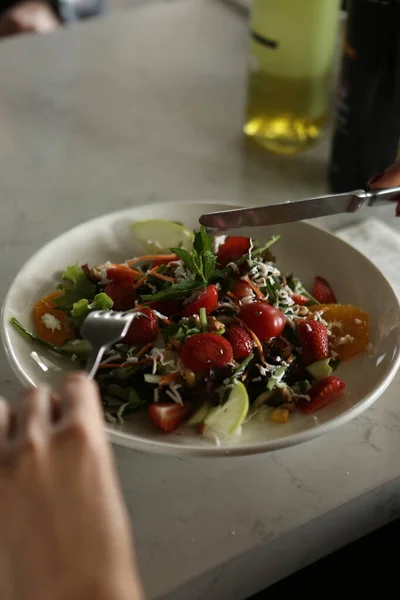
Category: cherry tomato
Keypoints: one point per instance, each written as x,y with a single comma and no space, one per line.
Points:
144,328
232,249
241,289
168,415
299,299
207,299
205,351
265,320
122,293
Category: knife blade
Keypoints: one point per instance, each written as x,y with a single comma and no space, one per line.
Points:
310,208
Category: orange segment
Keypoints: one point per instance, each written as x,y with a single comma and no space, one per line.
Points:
58,330
349,326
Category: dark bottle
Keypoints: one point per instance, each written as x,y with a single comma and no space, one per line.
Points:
367,133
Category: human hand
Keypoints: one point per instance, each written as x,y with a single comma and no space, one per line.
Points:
387,179
33,16
64,530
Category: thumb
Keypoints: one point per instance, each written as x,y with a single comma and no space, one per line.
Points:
387,179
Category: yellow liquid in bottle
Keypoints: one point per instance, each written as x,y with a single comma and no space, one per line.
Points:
291,56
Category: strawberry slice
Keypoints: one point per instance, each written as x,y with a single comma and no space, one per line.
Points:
144,328
168,415
232,249
207,299
313,338
299,299
241,342
205,351
322,393
122,293
322,291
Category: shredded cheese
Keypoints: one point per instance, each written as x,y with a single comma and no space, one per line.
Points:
51,322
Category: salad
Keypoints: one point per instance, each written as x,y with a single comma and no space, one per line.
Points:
220,335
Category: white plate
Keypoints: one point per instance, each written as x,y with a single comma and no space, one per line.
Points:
303,249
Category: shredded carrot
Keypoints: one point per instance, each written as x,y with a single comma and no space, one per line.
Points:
154,273
127,364
116,265
137,273
254,287
167,379
233,297
152,257
254,338
166,320
143,350
140,281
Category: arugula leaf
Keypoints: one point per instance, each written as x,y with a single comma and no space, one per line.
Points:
297,287
174,291
68,350
82,308
126,394
272,289
80,286
271,241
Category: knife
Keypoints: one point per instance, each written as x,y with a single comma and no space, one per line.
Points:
310,208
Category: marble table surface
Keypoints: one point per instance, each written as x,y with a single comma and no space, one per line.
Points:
146,105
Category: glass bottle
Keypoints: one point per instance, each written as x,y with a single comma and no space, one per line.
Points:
292,47
367,132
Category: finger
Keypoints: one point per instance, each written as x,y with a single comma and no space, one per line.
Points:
33,413
56,408
5,413
388,178
80,399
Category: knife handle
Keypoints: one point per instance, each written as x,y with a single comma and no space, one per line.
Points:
379,197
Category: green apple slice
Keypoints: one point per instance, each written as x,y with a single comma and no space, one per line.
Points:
158,235
230,416
199,415
320,368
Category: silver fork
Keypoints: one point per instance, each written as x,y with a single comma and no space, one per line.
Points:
102,329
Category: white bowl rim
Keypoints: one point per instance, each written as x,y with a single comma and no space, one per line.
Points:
121,438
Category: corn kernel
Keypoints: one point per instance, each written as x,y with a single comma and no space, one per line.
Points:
280,415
